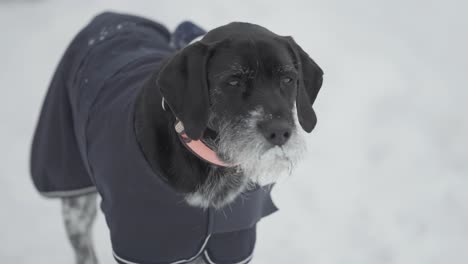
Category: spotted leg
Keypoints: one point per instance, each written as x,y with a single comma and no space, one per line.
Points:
79,213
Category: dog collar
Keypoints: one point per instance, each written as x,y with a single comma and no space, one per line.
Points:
198,148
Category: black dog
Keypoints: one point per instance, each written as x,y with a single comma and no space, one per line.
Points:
128,115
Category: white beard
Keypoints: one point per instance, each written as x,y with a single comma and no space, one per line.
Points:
258,161
263,164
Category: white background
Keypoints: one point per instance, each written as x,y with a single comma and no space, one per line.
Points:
385,179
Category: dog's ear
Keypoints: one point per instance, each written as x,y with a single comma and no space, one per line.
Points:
183,83
309,84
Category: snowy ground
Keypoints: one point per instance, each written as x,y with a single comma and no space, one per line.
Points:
386,177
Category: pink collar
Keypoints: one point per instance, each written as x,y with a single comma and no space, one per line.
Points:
199,148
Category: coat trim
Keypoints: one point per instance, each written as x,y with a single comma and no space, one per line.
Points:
59,194
176,262
245,261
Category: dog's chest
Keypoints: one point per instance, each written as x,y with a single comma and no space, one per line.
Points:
221,188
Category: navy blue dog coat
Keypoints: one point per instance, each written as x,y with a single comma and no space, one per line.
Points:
85,141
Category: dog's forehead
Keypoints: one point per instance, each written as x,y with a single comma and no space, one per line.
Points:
243,55
248,44
251,56
238,30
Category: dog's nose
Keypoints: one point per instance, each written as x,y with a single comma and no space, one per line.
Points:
277,132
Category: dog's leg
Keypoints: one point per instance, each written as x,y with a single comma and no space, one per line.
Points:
79,213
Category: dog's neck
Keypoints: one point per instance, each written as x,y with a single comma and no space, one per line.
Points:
198,147
160,143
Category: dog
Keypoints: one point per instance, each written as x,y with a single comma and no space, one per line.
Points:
183,144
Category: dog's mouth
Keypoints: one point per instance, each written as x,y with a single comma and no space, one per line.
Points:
240,142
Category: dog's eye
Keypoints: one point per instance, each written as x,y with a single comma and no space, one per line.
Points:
286,80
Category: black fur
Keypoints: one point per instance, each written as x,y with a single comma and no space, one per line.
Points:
203,87
309,84
184,86
160,144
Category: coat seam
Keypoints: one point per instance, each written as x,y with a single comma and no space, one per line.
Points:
200,251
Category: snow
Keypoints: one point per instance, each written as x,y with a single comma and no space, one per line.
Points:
385,179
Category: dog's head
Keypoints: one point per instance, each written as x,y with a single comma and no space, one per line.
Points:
250,86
